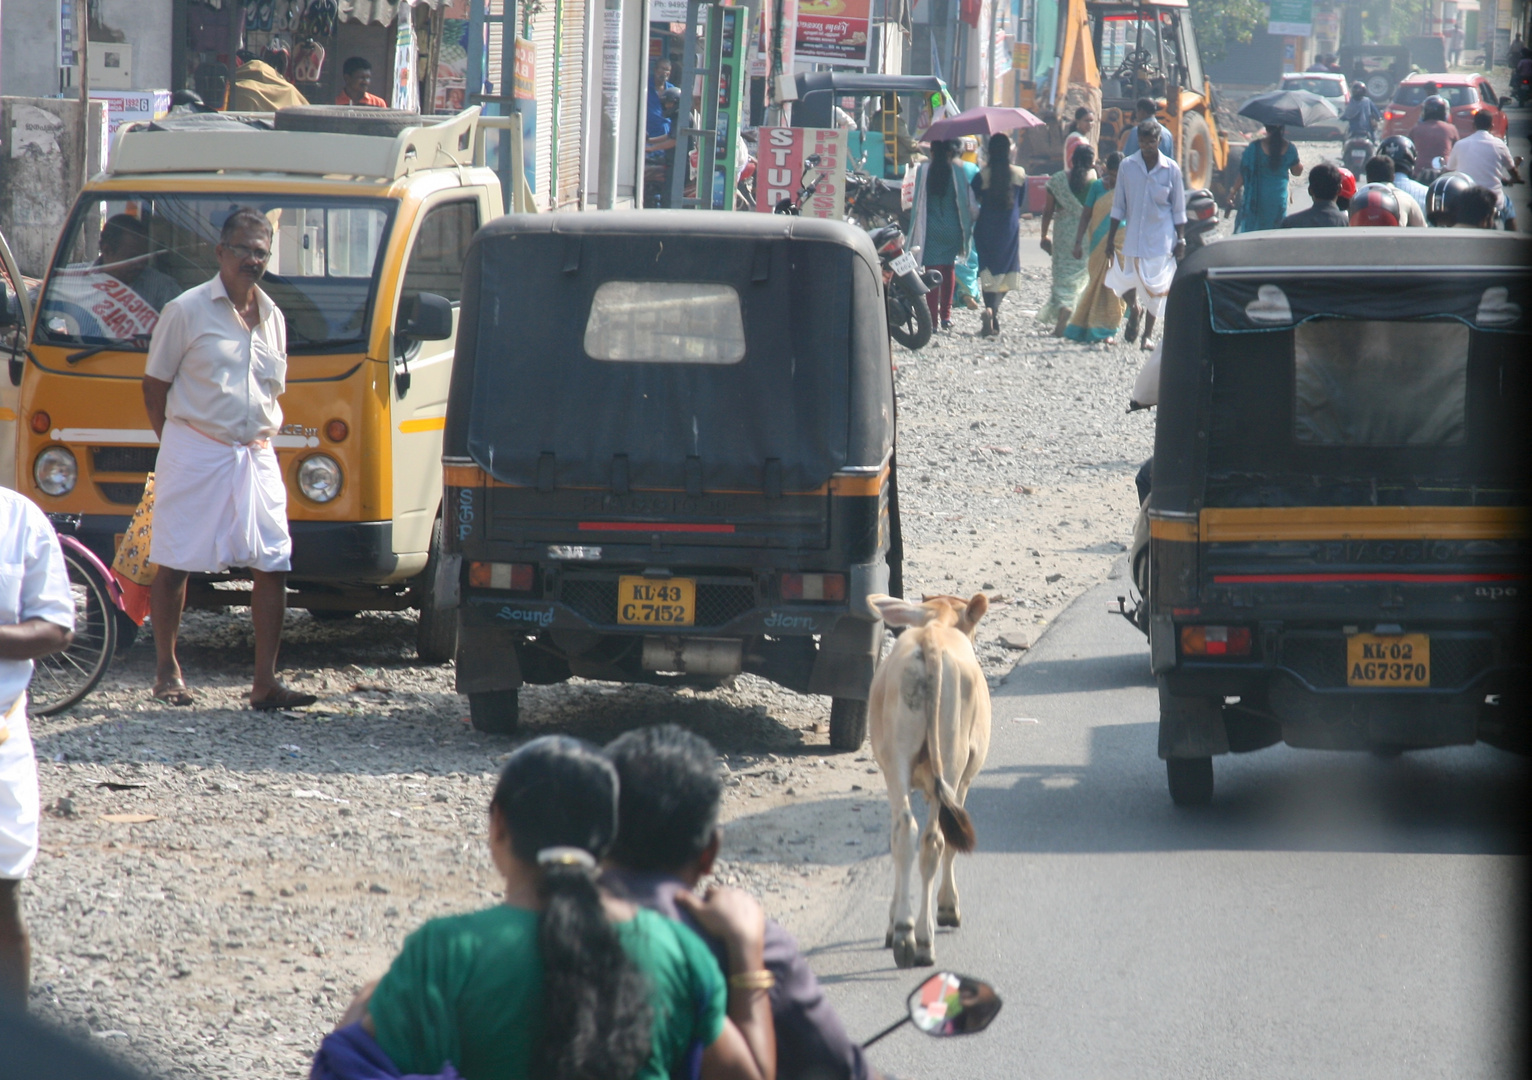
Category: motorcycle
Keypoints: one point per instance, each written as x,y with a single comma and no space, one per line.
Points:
100,616
872,201
1521,90
1355,153
947,1004
1201,218
904,288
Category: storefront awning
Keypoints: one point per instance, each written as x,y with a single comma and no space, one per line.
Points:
377,11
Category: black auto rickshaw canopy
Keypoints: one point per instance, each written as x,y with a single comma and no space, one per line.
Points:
1347,367
817,91
689,350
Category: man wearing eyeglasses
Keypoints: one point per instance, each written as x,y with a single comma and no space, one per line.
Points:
217,364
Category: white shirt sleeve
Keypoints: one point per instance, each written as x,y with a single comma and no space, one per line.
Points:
45,581
1120,194
167,346
1177,195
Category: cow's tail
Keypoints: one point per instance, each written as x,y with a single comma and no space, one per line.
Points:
956,825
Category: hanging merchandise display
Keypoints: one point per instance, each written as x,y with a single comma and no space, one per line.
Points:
727,48
406,90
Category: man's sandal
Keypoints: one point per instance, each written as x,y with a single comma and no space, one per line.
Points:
283,697
173,693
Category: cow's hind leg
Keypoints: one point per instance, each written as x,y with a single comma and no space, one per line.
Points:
902,839
932,849
947,913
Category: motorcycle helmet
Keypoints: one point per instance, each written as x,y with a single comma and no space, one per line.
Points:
1442,196
1401,148
1434,108
1358,90
1375,204
1347,187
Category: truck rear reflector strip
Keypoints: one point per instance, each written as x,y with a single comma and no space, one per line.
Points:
1341,579
652,527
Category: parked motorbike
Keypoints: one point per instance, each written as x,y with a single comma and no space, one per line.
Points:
1201,218
1355,153
947,1004
63,679
904,288
872,201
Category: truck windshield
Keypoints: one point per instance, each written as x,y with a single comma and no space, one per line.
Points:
123,259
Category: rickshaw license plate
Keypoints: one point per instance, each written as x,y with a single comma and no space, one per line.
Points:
1400,660
645,601
904,263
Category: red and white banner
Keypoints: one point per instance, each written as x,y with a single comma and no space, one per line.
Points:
834,31
779,169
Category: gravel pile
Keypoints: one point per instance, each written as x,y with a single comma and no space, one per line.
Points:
216,883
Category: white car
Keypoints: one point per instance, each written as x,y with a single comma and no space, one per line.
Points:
1327,84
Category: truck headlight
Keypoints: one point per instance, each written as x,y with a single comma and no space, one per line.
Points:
319,477
56,471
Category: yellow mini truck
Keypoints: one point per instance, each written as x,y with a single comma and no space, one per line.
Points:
370,228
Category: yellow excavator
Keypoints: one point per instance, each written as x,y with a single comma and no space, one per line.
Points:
1111,54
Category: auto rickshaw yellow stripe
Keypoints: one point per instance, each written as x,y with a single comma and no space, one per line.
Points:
425,423
1247,524
859,485
7,414
872,486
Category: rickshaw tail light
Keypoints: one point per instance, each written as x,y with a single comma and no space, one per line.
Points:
1215,641
813,587
41,422
515,577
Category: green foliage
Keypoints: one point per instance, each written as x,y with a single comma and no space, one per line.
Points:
1219,23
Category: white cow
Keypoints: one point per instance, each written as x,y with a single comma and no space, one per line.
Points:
928,713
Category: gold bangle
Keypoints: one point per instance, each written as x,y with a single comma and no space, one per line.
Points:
752,980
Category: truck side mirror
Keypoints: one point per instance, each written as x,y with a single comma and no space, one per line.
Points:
431,319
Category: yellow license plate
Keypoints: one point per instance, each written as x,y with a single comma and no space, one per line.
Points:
656,601
1400,660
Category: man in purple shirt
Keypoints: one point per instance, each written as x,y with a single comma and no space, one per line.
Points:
667,840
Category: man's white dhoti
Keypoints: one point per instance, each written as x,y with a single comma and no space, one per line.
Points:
19,809
217,506
1150,277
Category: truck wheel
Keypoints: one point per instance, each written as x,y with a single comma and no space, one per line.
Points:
497,712
1196,151
1191,780
436,631
848,723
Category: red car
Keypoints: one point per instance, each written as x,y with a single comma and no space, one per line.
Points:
1465,95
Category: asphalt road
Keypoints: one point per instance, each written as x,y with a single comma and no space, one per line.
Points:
1329,915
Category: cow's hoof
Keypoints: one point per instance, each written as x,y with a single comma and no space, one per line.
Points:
905,952
925,955
948,917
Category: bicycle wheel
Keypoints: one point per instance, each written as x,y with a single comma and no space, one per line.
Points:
62,679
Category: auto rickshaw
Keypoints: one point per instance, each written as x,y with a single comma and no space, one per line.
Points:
1337,530
669,457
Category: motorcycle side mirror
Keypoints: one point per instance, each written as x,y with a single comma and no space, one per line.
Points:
949,1004
812,161
1438,163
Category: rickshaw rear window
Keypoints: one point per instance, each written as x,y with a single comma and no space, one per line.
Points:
1364,383
665,322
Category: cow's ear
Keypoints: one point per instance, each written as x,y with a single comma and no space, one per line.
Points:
978,604
896,612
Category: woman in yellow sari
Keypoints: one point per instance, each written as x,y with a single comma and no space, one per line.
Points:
1098,312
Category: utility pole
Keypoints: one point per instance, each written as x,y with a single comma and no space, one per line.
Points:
82,67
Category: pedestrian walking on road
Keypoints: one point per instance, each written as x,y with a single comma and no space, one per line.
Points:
1000,189
1455,49
668,839
36,619
562,979
1078,134
1261,188
1066,192
1098,311
217,364
1149,202
941,222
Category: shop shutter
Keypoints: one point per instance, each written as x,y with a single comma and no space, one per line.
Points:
571,104
543,39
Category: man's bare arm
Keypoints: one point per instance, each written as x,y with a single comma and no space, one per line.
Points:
33,638
155,393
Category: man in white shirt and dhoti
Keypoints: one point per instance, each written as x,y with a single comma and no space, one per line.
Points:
1151,198
217,364
36,619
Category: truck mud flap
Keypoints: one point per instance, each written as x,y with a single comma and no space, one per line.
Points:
1191,727
848,654
487,659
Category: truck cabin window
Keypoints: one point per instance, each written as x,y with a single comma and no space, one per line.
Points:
123,260
1360,383
665,322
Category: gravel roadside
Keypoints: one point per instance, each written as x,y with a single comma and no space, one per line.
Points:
214,884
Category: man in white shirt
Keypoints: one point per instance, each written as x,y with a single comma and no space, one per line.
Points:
217,364
1486,159
36,619
1151,197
